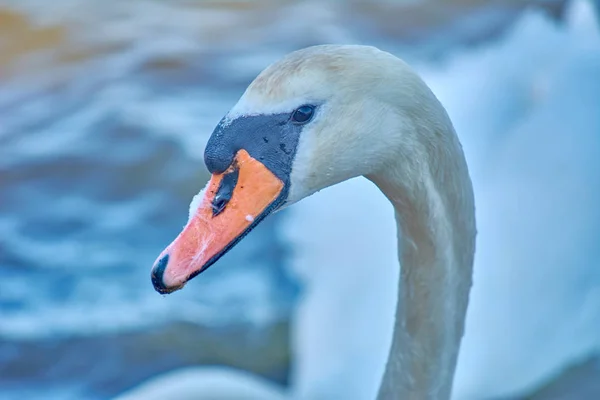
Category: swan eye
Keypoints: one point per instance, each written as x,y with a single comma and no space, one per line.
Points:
303,114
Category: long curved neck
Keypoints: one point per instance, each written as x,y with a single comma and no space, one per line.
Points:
436,242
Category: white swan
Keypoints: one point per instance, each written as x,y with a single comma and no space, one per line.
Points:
478,377
318,117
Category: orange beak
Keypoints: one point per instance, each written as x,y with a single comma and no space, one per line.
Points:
232,204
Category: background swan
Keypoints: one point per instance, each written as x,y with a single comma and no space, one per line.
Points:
206,383
315,374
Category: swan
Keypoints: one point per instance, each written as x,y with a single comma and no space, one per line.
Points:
477,374
318,117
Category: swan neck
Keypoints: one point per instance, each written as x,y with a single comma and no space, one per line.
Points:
436,243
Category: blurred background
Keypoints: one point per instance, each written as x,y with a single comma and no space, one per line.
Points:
105,108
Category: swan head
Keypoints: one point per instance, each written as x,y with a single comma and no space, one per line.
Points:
315,118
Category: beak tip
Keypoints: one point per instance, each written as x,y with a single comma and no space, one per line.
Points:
158,272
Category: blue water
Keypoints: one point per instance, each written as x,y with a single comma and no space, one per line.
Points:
101,138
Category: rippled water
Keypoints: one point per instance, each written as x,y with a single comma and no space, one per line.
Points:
104,110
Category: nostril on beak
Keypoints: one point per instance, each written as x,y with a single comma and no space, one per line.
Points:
157,275
225,190
219,204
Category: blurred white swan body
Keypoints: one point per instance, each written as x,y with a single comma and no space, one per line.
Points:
206,383
553,299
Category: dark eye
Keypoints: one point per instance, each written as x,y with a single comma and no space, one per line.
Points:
303,114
